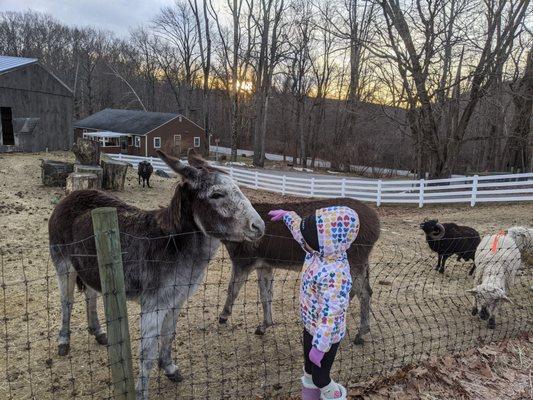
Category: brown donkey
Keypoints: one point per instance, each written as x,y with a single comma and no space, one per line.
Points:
277,249
165,253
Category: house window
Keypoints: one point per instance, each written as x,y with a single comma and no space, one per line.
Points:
137,141
157,143
177,140
197,141
8,136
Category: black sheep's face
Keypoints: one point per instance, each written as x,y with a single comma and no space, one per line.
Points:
430,226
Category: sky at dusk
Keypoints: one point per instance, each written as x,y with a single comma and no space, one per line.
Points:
118,16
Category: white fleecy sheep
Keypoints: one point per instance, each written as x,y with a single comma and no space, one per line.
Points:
498,258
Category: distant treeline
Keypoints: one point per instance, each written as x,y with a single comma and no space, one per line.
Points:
298,79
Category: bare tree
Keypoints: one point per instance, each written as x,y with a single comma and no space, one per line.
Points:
204,33
268,22
178,25
439,124
520,143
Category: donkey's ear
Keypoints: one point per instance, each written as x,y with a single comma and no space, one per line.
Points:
195,159
188,173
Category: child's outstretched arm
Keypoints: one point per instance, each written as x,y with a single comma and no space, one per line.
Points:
292,220
334,292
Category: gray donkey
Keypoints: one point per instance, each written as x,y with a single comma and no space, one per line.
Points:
165,253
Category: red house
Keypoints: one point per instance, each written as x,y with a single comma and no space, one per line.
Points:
141,133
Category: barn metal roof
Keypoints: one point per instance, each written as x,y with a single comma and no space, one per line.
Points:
127,121
8,63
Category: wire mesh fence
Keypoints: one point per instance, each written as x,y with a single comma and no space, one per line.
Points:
416,313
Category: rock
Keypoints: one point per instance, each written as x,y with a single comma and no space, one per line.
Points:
162,173
54,173
87,151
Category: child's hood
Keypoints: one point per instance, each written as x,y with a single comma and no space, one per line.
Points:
337,228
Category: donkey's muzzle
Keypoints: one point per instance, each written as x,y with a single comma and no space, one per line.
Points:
257,229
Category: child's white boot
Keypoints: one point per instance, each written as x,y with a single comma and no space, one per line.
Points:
309,390
333,391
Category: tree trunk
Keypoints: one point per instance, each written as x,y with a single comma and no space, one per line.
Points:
54,173
302,133
91,169
114,174
81,181
87,151
520,142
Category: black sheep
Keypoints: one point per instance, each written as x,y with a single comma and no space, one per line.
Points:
144,170
449,238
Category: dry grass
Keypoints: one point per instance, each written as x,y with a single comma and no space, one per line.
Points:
417,313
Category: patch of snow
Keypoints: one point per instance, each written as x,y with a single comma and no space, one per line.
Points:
302,169
236,163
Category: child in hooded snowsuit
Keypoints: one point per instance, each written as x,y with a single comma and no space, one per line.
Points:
324,291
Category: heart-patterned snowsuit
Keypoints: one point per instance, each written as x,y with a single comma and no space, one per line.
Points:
326,281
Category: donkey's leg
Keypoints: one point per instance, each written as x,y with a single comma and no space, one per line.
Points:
66,277
151,323
239,275
92,316
364,292
168,333
265,279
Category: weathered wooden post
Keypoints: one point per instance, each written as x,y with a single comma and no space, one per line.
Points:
107,237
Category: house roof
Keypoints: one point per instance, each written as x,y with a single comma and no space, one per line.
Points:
127,121
105,134
8,63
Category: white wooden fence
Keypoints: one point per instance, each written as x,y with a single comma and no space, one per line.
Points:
471,189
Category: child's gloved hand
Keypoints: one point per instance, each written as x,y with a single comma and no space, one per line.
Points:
276,215
316,356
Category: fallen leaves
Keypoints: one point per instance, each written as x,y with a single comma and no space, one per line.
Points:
495,371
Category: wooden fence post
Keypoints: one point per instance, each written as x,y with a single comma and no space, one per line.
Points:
343,187
256,182
421,194
312,186
474,191
283,185
378,196
107,237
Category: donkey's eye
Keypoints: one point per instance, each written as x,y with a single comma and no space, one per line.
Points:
216,195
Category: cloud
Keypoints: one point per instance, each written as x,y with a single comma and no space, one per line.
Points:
118,16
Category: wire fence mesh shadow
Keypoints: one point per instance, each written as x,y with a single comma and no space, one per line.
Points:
416,313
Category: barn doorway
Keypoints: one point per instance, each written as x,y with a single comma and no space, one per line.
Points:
8,137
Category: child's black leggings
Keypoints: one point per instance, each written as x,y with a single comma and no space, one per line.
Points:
320,374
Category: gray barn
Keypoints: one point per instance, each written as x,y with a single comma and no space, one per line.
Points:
35,107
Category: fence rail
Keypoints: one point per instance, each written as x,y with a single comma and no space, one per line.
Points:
469,189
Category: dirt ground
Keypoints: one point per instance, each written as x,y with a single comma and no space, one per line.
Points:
417,314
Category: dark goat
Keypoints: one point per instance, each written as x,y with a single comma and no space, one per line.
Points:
144,170
449,238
